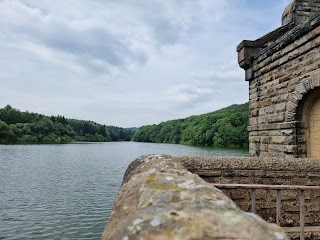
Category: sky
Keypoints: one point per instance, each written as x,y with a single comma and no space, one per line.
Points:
127,63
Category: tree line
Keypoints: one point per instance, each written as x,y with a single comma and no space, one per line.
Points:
25,127
225,127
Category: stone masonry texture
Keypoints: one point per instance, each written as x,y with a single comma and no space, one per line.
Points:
270,171
283,71
160,199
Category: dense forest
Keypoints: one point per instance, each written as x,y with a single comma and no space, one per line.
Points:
225,127
26,127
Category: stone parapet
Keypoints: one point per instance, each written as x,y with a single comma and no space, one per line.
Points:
270,171
161,199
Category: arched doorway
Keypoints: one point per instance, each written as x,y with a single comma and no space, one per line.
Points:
314,130
308,125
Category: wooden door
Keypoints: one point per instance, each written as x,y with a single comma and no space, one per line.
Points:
314,130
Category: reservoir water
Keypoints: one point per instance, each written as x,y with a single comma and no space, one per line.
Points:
67,191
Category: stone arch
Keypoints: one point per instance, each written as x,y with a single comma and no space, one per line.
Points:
302,102
303,114
307,84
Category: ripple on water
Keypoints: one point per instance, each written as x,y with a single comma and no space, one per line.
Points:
67,191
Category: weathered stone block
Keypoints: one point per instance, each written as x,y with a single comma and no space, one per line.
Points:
313,207
284,140
245,206
265,205
274,118
281,107
291,207
239,194
254,113
291,107
292,149
290,195
291,219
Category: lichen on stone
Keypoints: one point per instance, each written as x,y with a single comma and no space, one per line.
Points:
166,201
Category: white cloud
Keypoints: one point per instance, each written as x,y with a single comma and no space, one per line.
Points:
127,63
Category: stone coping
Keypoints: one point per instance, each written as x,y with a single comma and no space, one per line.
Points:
262,48
194,164
289,37
161,199
275,34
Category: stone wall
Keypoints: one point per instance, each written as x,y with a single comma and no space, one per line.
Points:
274,171
161,199
283,70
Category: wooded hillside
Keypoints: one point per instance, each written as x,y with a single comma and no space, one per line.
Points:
225,127
26,127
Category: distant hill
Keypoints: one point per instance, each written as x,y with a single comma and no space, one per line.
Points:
132,129
224,127
26,127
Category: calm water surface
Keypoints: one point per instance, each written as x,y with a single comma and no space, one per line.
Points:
67,191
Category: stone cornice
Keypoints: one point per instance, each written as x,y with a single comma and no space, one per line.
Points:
289,37
273,41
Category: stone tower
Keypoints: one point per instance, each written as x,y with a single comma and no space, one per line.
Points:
283,70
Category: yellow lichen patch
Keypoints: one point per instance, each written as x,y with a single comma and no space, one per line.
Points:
269,78
263,104
279,229
170,235
207,190
165,235
163,186
196,224
152,178
265,69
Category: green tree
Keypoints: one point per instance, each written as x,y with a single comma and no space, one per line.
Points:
25,127
225,127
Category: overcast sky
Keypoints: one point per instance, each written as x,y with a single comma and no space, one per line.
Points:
127,62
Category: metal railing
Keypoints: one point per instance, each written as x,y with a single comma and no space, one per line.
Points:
278,188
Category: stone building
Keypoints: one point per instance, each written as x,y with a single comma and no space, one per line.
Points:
283,71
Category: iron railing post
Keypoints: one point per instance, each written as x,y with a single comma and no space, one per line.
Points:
278,188
253,200
278,215
302,213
